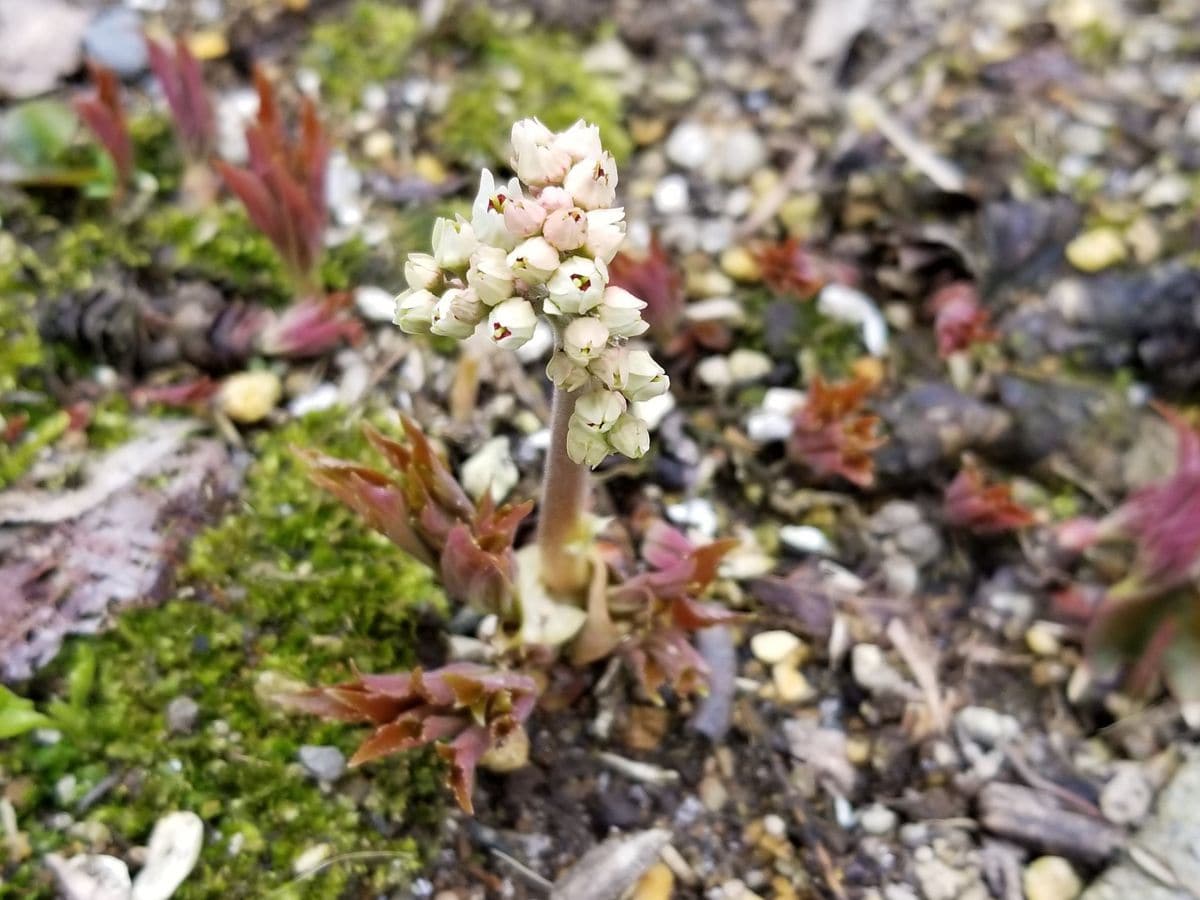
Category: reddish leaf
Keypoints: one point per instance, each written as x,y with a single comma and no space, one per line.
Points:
959,318
653,277
983,508
788,269
833,435
182,85
104,114
311,327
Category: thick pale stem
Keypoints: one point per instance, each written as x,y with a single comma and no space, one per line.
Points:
564,501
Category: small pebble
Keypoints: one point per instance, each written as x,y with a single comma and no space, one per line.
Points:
1042,639
1128,795
746,366
182,713
715,372
375,303
1051,878
671,195
249,397
773,647
657,884
987,726
740,265
322,762
806,539
689,145
790,684
1095,250
492,468
877,819
311,857
171,854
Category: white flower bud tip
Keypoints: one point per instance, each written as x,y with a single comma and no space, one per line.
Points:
630,436
457,313
421,272
577,286
533,260
453,243
511,323
585,446
566,228
414,311
621,313
600,410
489,274
584,340
592,183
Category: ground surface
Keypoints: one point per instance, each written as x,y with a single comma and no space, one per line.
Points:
917,723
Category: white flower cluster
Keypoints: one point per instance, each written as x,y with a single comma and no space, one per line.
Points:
541,244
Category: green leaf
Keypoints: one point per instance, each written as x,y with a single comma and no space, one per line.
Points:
82,677
17,715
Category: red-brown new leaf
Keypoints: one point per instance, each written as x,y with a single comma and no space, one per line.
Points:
104,115
960,320
182,84
971,503
832,434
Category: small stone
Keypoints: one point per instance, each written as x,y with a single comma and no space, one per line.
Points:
671,196
877,819
88,877
39,43
716,309
513,754
208,44
182,713
855,308
741,154
1042,639
114,38
901,575
323,396
747,366
740,265
714,371
773,647
171,855
375,303
248,397
689,145
657,884
378,145
712,793
987,726
921,543
872,671
1051,878
764,426
806,539
1095,250
1127,797
323,762
790,684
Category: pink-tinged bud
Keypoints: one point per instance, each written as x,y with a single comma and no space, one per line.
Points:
606,232
511,323
620,312
457,313
564,373
566,229
630,436
414,311
490,275
640,377
592,183
580,141
453,243
599,410
553,198
533,260
585,446
523,217
487,213
576,287
584,339
535,160
421,272
1078,534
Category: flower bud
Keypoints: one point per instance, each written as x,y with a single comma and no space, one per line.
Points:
414,311
523,217
457,313
577,286
533,260
553,198
599,410
421,272
487,213
511,323
535,160
640,377
490,275
580,141
584,339
630,436
566,229
565,373
605,232
606,368
453,243
585,446
620,312
592,182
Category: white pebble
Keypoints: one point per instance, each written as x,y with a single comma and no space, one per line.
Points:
772,647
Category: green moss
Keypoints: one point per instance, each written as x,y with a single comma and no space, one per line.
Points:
290,583
367,45
20,347
524,73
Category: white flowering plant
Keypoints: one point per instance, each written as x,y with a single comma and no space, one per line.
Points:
535,247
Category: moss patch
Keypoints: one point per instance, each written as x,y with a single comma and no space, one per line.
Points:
519,73
289,584
367,45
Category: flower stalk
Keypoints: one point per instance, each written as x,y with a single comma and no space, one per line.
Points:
565,495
